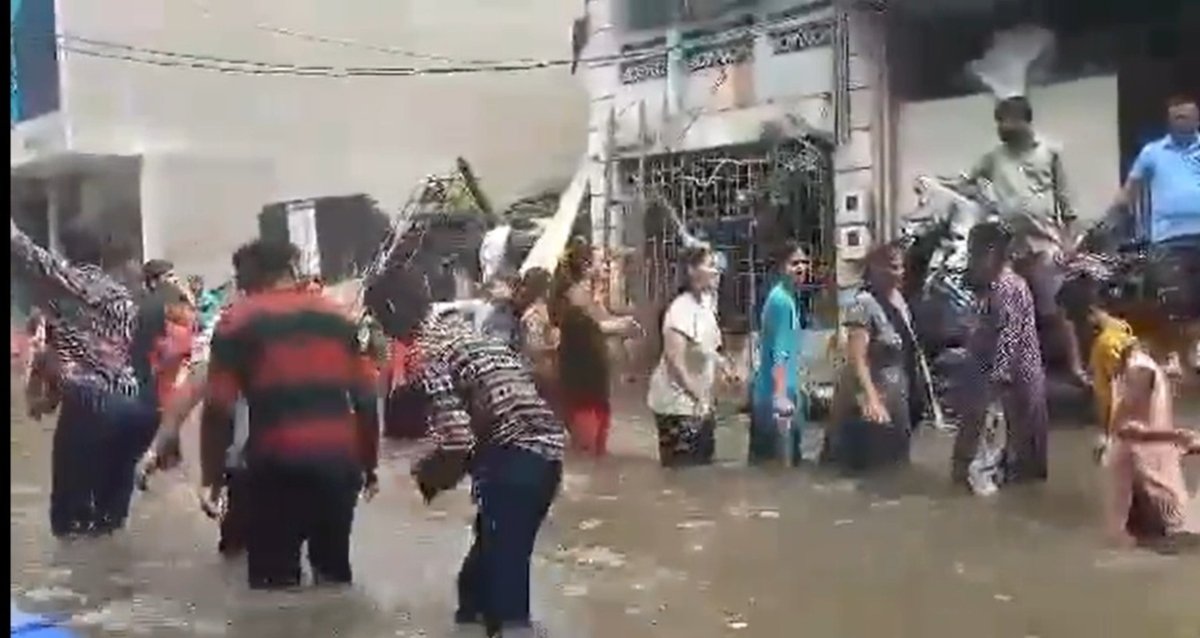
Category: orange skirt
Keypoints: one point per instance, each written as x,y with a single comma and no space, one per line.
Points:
588,423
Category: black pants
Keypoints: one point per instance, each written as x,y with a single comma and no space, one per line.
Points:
404,413
74,467
1174,268
235,524
685,440
514,489
292,507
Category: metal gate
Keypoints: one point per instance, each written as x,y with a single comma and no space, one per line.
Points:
744,200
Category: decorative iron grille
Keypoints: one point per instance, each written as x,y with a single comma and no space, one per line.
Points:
744,201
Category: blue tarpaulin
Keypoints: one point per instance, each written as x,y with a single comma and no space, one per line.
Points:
35,625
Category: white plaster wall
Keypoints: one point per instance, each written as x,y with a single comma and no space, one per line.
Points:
945,137
196,210
732,112
334,136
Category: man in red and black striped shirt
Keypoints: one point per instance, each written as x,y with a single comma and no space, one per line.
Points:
314,435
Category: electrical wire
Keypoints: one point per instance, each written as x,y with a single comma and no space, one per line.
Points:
349,43
103,49
159,57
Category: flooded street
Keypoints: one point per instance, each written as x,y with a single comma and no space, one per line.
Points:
633,551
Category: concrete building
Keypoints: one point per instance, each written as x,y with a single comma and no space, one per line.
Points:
882,88
747,121
130,122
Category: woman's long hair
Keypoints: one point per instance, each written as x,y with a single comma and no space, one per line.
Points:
533,287
573,268
880,256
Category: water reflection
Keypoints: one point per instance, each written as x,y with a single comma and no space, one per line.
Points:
634,551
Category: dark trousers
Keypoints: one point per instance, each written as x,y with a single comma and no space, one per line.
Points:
514,489
98,440
293,507
129,429
235,524
1174,266
685,440
74,467
404,412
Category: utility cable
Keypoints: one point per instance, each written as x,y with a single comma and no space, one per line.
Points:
207,10
147,55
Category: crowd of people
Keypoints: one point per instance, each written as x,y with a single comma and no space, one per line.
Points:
296,389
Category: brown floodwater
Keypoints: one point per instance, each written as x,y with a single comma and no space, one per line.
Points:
635,551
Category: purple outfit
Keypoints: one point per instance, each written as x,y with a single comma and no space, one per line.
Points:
1007,367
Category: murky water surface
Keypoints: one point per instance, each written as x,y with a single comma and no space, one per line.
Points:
634,551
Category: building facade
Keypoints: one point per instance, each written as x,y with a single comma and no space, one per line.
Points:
740,121
687,97
181,120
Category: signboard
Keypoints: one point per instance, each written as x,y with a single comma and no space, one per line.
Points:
33,60
302,232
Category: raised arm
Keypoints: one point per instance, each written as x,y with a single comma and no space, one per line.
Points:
51,277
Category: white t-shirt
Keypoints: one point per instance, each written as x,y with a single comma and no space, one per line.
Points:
696,321
493,250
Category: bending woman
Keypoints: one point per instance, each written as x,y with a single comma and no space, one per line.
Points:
1141,451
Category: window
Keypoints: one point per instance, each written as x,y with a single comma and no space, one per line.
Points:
658,14
651,14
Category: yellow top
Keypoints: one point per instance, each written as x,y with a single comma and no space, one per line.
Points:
1114,337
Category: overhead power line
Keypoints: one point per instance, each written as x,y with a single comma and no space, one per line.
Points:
349,43
159,57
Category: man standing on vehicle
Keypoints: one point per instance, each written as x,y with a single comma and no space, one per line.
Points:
1032,199
1169,169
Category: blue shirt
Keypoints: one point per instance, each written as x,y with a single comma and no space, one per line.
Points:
779,343
1171,169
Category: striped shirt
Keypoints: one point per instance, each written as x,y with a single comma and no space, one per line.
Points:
481,393
92,315
294,357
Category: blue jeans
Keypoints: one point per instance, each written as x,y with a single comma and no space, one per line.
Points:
514,489
74,464
129,427
97,442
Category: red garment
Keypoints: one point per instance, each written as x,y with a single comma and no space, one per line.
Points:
296,381
588,424
172,353
404,414
398,367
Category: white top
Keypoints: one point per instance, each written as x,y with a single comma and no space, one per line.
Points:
493,250
235,456
696,321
